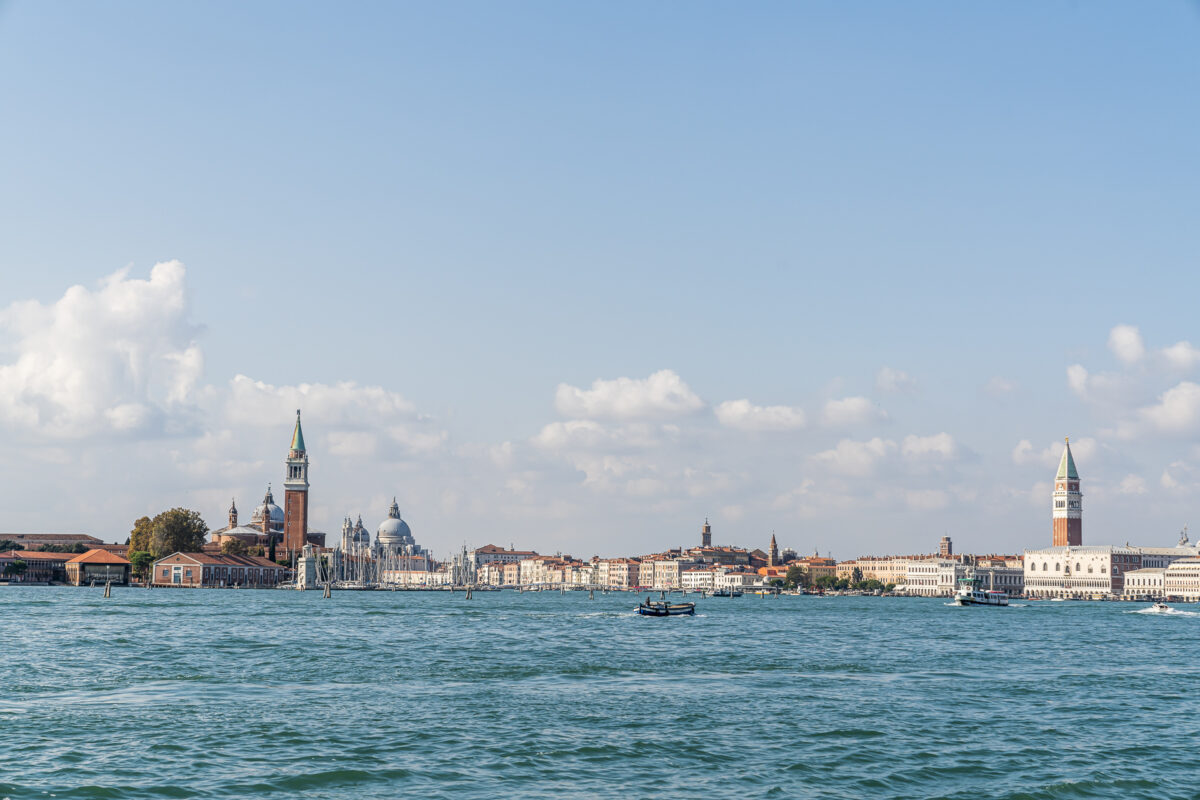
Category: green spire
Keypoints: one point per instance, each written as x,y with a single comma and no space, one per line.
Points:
298,436
1066,467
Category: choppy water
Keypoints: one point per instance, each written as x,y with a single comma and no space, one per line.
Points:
382,695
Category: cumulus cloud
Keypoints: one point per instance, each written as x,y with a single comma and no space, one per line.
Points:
1132,484
940,446
662,394
586,434
1125,342
1084,449
1077,379
851,411
1177,410
1181,356
743,415
116,359
343,404
894,380
855,458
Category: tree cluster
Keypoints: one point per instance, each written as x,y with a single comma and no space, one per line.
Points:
174,531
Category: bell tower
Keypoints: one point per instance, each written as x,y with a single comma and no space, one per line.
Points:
1068,502
706,534
295,494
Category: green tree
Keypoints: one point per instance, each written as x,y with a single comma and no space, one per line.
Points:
140,536
8,544
142,561
826,582
16,567
870,585
234,547
179,530
796,576
856,575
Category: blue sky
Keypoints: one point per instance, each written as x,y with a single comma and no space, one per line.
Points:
459,207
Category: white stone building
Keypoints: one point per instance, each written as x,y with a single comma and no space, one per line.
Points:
933,577
1181,579
1146,582
1079,572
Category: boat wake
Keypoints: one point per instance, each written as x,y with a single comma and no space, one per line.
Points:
1170,612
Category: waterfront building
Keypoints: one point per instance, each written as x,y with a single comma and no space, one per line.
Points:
885,569
1067,503
1002,573
616,573
720,555
490,573
39,567
512,574
1181,579
1148,583
97,565
737,579
205,570
490,553
666,574
645,577
1084,571
698,579
933,577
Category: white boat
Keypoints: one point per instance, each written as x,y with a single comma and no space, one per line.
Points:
1162,608
970,594
1057,600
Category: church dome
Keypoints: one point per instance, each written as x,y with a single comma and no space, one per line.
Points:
268,508
393,531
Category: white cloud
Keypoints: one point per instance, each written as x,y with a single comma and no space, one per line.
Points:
926,499
662,394
851,411
999,387
1177,410
586,434
894,380
856,458
939,446
1083,449
1125,342
344,404
116,359
1132,484
1182,355
1077,379
743,415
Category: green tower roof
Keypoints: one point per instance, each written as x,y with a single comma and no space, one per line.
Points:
1066,467
298,436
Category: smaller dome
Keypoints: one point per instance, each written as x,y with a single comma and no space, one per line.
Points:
268,507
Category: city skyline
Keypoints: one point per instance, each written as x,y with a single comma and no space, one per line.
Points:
694,288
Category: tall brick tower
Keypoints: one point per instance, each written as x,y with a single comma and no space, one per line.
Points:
1068,502
295,494
773,554
706,534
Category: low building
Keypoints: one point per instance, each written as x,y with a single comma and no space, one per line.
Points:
32,541
214,571
1145,583
933,577
737,580
1181,579
98,565
39,567
698,580
491,554
490,573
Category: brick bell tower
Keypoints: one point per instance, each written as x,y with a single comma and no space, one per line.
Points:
295,494
1068,502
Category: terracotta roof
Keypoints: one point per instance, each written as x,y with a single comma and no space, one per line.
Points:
36,555
226,561
98,557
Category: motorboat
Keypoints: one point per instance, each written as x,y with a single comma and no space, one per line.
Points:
1161,607
658,608
727,593
970,594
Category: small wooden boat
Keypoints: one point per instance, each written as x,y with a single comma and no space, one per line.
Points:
652,608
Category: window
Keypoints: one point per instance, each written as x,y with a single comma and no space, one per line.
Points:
1089,569
1057,567
1078,567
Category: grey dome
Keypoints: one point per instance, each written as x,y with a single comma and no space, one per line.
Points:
268,507
393,531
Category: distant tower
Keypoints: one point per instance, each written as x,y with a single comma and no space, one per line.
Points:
773,554
233,513
1068,502
945,547
295,494
706,534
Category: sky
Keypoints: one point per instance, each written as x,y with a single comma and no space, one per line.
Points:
575,276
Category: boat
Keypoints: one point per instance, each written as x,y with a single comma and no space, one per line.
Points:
1161,607
727,593
1057,600
656,608
971,594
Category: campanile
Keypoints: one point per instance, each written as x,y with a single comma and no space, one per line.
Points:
295,494
1068,502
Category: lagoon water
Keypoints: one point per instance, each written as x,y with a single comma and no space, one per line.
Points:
241,694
